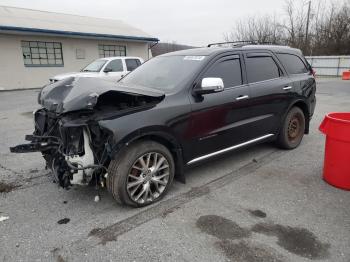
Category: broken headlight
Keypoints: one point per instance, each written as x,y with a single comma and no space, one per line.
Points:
73,141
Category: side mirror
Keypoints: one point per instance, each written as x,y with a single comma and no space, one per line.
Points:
107,70
210,85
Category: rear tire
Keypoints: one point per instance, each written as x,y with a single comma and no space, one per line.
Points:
292,130
142,174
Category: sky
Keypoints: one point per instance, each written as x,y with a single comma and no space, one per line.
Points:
195,22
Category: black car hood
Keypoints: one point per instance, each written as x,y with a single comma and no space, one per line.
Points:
80,93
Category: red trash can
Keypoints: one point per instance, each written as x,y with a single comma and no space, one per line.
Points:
336,169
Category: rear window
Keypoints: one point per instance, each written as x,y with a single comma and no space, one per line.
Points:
260,68
293,64
132,64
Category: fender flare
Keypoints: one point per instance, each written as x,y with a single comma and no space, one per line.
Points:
161,135
303,106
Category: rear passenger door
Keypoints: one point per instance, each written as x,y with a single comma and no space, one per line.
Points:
271,91
132,64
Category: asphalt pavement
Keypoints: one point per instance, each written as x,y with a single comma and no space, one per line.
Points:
256,204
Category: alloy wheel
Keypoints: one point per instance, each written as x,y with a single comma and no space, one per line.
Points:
148,177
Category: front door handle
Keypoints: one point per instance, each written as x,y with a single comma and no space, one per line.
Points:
242,97
287,88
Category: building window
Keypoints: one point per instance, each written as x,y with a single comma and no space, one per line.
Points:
37,53
80,53
111,50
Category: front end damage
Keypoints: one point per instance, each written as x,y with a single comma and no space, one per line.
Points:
77,149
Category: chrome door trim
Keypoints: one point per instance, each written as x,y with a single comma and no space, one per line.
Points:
242,97
229,149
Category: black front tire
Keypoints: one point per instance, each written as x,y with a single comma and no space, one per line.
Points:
292,129
120,169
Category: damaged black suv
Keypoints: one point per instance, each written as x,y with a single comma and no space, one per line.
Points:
173,111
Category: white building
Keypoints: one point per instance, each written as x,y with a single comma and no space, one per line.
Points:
35,45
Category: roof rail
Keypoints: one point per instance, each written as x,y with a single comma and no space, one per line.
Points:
242,43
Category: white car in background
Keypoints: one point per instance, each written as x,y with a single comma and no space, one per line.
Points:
109,68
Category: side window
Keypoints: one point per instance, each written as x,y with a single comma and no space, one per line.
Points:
260,68
293,64
132,64
116,65
229,70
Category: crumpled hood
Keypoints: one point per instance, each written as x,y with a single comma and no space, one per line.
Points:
80,93
75,74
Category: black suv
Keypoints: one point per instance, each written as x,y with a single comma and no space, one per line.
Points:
173,111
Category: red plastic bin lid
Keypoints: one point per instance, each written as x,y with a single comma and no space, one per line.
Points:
336,126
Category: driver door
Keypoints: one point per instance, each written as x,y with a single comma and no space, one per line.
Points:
219,120
114,70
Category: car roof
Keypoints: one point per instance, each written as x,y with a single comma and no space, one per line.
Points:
119,57
209,51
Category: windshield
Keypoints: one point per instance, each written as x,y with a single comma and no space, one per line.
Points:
95,66
164,72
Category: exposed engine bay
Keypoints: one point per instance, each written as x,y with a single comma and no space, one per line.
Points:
67,130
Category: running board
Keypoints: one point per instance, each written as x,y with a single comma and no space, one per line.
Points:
229,149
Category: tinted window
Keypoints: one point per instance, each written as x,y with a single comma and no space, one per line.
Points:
292,63
116,65
132,64
261,68
228,70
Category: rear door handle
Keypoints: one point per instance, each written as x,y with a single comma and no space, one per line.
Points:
242,97
287,88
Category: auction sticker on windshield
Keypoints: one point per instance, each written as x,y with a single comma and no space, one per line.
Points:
195,58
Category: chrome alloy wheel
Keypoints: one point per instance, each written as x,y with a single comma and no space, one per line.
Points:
148,177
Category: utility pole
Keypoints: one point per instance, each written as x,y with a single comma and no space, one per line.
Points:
307,25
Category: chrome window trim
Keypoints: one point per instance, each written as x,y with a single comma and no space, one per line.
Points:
235,87
267,80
